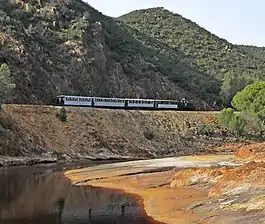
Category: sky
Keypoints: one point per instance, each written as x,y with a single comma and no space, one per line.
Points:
238,21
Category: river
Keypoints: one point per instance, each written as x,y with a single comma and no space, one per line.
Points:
41,194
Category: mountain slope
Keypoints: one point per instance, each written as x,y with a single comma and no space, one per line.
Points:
208,53
68,47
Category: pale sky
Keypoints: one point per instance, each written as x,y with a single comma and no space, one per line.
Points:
238,21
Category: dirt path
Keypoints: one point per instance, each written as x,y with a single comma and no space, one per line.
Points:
151,180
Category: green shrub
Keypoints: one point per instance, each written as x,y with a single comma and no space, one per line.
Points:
224,117
63,114
148,135
237,124
234,123
206,129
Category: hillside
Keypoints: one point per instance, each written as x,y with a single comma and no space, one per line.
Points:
68,47
230,67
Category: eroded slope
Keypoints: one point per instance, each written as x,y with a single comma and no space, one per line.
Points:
100,133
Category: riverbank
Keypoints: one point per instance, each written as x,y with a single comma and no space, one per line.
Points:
151,179
235,193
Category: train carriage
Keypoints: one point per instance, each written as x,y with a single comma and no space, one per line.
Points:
109,102
140,103
74,100
167,104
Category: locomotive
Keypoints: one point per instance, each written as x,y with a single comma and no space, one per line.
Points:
123,103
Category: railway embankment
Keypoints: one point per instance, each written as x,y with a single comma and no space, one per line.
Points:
35,134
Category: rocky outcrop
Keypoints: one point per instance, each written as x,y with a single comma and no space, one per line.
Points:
235,190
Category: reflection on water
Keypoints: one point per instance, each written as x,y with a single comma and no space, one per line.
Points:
29,195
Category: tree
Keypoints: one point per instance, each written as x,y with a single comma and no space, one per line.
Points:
234,123
6,84
231,85
225,116
237,124
251,100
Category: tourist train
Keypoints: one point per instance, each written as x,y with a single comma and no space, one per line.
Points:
122,103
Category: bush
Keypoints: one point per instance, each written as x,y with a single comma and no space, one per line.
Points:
224,117
206,129
234,123
148,135
63,114
237,124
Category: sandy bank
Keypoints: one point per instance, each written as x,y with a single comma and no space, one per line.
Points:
151,180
